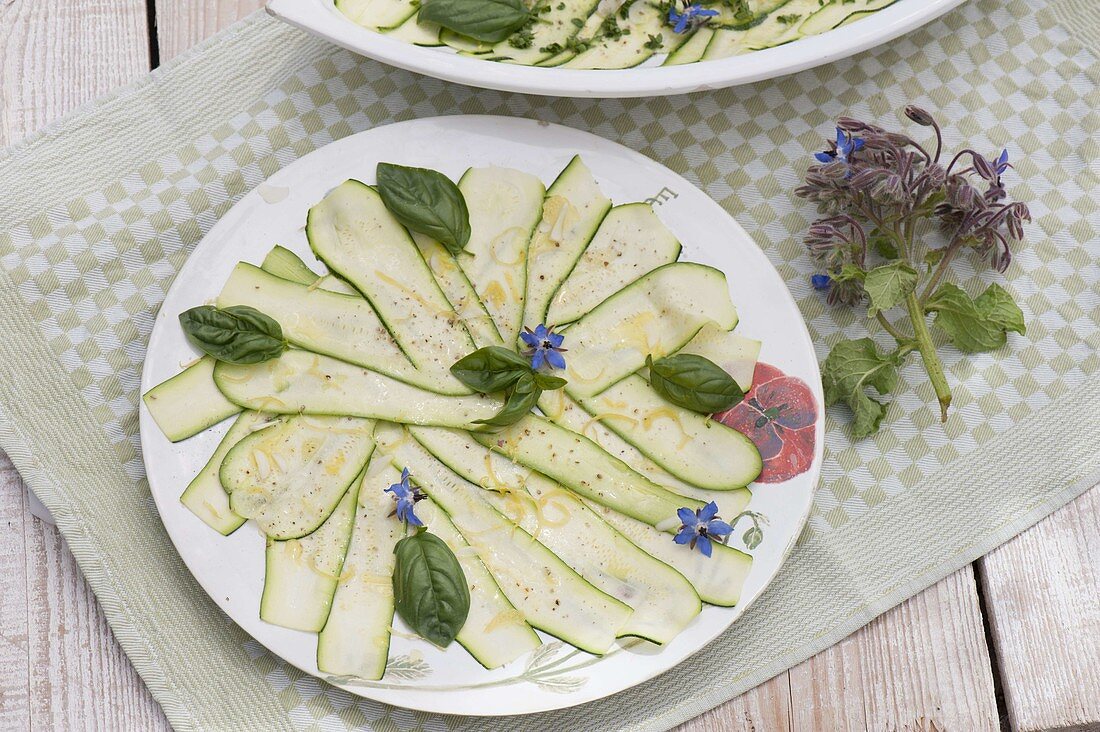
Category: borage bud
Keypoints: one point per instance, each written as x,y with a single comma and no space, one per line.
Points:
918,115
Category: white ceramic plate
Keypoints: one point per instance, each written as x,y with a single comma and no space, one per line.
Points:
321,18
231,569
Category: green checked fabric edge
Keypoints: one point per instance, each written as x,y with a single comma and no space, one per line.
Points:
98,213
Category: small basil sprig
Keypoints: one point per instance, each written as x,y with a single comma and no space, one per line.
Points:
237,334
429,588
495,368
490,21
693,382
426,201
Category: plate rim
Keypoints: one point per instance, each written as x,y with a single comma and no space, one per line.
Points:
317,18
148,428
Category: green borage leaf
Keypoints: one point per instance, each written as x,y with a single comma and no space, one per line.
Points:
237,334
426,201
977,325
887,286
490,21
851,367
430,592
694,382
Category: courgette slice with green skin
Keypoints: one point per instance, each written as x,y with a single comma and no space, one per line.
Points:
837,13
300,382
287,265
494,633
571,214
354,643
353,233
728,16
654,315
692,49
551,596
342,326
188,403
554,28
301,575
566,412
663,601
417,33
718,578
691,446
464,44
631,242
583,467
505,206
735,354
204,495
291,476
377,14
284,263
645,33
459,291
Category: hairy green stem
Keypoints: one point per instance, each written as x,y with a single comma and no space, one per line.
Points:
940,271
932,363
889,328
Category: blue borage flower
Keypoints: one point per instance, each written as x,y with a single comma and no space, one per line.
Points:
821,281
701,527
845,145
544,346
406,497
693,16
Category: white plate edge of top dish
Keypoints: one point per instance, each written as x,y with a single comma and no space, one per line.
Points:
321,18
266,216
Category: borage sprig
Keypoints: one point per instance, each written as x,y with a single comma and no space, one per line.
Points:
881,195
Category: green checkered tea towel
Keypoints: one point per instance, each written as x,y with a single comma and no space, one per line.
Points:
99,212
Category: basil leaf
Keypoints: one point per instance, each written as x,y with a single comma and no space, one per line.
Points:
694,383
426,201
521,400
429,588
237,334
485,20
490,369
549,383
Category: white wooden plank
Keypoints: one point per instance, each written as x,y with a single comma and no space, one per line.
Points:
183,23
15,679
766,708
923,665
1042,593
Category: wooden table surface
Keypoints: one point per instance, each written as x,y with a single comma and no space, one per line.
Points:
1012,641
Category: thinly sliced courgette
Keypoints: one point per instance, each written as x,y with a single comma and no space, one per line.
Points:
456,286
550,595
571,214
734,353
733,15
780,27
724,43
663,601
558,22
505,206
654,315
494,633
188,403
565,411
377,14
417,33
691,446
631,242
692,49
354,644
342,326
301,575
290,477
204,496
718,578
308,383
356,236
464,44
287,265
583,467
838,13
642,33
